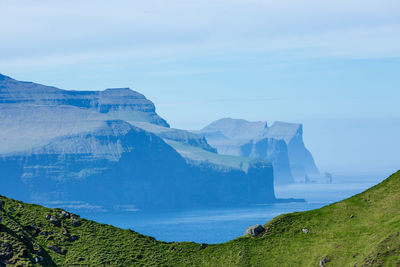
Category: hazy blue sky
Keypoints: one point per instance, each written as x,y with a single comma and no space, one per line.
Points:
333,65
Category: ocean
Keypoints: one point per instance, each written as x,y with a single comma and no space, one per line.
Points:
223,224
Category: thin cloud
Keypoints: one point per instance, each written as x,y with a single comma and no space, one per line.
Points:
49,33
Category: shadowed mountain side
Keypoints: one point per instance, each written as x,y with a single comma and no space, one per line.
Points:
273,150
118,164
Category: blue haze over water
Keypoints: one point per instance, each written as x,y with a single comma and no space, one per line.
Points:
218,225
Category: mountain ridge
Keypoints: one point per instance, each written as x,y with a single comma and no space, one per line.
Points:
114,102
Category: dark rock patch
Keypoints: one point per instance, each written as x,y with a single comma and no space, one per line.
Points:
55,221
323,261
57,249
46,233
76,223
254,230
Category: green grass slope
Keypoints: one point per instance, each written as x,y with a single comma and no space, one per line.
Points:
363,230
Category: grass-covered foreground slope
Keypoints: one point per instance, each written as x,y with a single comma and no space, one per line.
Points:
363,230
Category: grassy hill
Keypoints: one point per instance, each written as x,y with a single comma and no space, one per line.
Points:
363,230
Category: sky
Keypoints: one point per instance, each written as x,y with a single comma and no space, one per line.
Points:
332,65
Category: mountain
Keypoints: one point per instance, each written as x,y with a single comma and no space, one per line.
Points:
108,149
282,144
363,230
117,103
301,161
236,129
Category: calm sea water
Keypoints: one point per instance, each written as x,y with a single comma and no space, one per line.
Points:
224,224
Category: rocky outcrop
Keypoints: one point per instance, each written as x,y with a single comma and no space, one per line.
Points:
323,262
254,230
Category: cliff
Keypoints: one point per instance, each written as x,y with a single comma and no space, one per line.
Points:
301,161
93,150
117,103
281,144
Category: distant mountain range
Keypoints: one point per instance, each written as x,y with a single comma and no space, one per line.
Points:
281,144
110,150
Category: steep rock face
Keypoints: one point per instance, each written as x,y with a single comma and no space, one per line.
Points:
274,151
239,137
301,161
71,152
118,103
282,144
